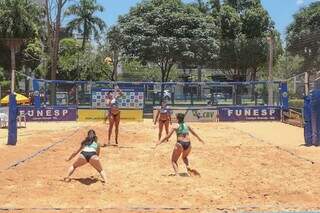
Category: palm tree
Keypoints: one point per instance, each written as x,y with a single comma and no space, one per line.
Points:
85,21
17,23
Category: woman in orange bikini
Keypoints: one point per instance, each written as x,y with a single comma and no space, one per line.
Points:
164,116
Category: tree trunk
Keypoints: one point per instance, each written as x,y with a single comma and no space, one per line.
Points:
84,39
199,73
163,77
83,43
115,66
238,88
50,37
27,81
55,57
168,73
199,80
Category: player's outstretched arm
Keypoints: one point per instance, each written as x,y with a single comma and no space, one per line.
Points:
75,153
195,134
167,137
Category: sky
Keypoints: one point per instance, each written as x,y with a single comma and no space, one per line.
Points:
281,11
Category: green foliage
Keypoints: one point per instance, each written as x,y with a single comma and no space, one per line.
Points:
202,5
19,19
5,85
133,70
18,22
76,64
230,22
34,56
296,103
288,66
2,75
34,49
168,32
303,37
158,35
245,26
115,39
241,5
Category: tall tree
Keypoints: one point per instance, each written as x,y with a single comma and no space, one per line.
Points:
85,21
54,10
18,22
303,37
113,50
167,32
230,24
245,27
257,27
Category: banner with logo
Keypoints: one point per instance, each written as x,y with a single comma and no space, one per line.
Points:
262,113
133,97
193,114
48,113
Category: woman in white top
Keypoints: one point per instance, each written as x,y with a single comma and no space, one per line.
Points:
90,151
113,101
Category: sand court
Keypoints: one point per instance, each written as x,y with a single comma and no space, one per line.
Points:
253,166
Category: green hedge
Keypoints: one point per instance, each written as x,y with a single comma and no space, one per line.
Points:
296,103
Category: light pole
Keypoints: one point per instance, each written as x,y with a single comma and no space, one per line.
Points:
270,74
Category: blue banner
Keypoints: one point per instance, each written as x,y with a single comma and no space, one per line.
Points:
284,99
133,97
48,113
243,113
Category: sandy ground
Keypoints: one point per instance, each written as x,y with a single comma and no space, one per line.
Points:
259,166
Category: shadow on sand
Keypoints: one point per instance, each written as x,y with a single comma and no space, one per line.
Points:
87,181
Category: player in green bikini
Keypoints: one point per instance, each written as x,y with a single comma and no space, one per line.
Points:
183,145
90,151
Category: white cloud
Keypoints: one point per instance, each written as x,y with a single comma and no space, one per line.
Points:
300,2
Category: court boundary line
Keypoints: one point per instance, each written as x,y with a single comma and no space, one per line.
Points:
47,131
43,150
277,147
243,208
104,209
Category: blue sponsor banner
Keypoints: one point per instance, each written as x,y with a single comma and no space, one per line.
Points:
263,113
56,113
132,98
